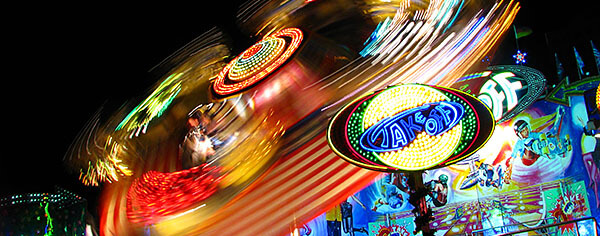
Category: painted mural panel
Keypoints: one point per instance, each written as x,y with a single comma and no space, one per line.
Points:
540,167
381,208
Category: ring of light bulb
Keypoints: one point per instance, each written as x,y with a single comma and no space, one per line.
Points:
258,61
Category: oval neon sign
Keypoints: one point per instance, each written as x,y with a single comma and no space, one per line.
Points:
410,127
395,132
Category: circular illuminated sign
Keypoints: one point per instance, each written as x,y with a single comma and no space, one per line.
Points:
410,127
257,62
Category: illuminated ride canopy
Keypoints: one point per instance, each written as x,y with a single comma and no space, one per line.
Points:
257,62
410,127
506,89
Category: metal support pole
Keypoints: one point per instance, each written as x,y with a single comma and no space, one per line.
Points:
423,215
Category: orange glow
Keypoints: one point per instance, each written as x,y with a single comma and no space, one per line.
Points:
223,88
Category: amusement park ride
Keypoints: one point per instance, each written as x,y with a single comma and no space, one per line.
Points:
339,115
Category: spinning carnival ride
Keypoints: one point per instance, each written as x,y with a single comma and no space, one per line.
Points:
236,143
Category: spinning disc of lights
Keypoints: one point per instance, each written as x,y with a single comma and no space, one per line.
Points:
156,195
258,61
256,58
410,127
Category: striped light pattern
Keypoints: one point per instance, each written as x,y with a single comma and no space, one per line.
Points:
304,184
257,62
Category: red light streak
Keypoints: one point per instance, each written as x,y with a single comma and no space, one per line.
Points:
156,195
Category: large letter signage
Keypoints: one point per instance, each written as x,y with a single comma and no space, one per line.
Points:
397,131
506,90
410,127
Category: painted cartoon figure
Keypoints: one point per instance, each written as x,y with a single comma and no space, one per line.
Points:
348,220
438,190
392,195
553,146
485,174
526,147
533,144
340,218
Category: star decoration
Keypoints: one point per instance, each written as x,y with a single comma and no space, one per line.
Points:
520,57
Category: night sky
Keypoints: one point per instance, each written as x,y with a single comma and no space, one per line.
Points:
65,62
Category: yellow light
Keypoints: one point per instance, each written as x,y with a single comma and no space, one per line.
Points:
598,98
404,97
222,88
425,151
